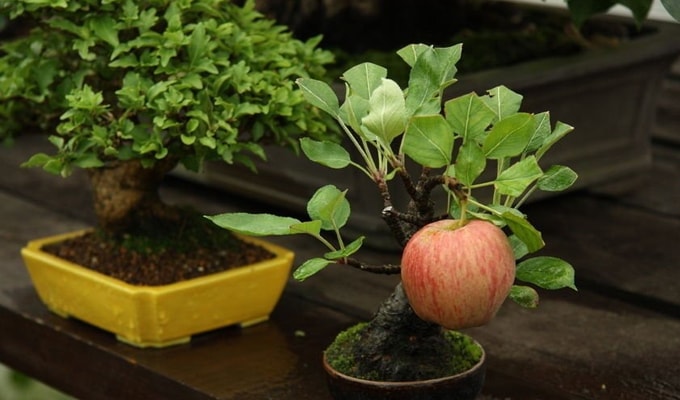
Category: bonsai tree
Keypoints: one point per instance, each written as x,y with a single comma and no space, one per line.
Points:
461,258
128,90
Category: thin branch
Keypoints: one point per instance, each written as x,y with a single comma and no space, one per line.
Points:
396,227
384,269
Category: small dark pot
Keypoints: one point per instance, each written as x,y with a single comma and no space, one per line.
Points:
464,386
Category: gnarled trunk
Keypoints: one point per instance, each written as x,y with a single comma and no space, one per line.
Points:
126,194
400,345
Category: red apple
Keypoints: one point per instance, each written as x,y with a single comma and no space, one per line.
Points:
458,276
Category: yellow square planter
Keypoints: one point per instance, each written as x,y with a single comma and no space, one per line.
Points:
164,315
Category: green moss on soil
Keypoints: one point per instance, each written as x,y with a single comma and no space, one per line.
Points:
463,353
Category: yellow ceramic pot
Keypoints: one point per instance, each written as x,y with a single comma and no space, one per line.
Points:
158,316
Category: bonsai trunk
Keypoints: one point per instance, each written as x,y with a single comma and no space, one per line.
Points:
398,345
126,195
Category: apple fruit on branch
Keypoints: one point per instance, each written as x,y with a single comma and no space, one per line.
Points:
458,274
459,258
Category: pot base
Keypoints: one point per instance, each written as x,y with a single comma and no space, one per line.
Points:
464,386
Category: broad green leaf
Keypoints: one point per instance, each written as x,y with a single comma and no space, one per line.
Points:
509,136
525,296
326,153
255,224
433,71
429,141
541,132
104,28
364,78
197,44
435,67
188,140
88,161
157,89
524,231
557,178
353,110
310,267
503,101
515,180
561,130
309,227
127,61
469,116
547,273
470,163
411,53
329,206
519,248
320,94
387,114
347,250
37,160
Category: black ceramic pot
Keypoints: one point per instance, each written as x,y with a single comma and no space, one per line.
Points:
464,386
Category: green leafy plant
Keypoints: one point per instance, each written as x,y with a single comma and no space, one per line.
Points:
129,89
480,150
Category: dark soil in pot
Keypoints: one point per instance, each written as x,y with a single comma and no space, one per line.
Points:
161,252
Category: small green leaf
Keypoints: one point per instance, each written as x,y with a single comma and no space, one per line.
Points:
197,44
326,153
320,95
353,110
561,130
309,227
255,224
515,180
88,161
432,72
387,114
547,273
509,136
469,116
411,53
470,163
519,248
330,206
192,125
346,251
104,28
503,101
364,78
310,267
525,296
429,141
188,139
37,160
557,178
541,132
524,231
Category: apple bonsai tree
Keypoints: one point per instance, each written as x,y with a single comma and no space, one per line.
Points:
128,90
461,259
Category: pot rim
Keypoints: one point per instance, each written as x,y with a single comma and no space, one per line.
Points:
396,384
